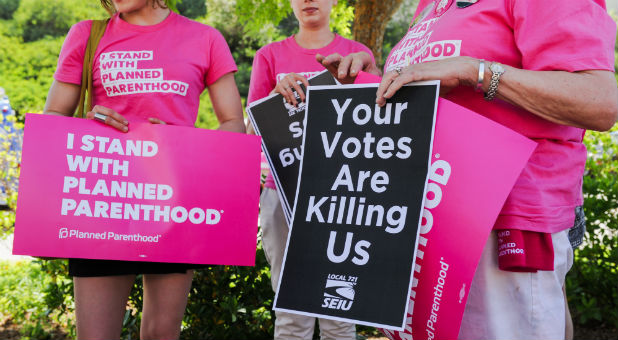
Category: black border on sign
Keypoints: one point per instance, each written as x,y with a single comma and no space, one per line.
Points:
330,317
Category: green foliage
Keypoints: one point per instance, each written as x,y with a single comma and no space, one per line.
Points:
231,303
10,157
26,71
206,118
40,18
262,16
58,294
225,302
7,8
591,284
23,298
192,8
397,28
341,18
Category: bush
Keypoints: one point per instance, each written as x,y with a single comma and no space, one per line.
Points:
231,303
23,298
7,8
591,284
26,71
40,18
225,302
10,156
192,8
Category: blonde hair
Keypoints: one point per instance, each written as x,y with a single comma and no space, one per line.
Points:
109,6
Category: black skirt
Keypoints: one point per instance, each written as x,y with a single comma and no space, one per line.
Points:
94,268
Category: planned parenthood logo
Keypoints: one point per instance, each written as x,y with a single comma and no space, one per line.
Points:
339,292
66,233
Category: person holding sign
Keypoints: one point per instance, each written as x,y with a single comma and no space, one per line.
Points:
545,70
280,67
151,65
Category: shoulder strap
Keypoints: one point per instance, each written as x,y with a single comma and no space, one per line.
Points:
96,32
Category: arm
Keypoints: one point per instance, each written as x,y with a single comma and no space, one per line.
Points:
226,103
586,99
63,98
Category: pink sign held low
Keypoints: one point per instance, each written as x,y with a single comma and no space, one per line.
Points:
158,193
475,164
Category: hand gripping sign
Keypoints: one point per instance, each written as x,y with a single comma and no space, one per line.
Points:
281,127
158,193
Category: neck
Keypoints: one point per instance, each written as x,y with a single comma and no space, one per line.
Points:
146,16
314,38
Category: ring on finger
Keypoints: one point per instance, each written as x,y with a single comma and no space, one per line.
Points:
398,70
100,117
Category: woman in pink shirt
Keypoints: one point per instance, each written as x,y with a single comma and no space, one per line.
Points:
278,67
183,57
546,70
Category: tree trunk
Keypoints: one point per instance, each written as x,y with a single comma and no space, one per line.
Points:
370,19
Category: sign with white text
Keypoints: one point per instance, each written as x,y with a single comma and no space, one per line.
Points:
157,193
350,251
281,127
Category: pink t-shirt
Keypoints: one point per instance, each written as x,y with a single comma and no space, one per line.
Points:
536,35
149,71
274,61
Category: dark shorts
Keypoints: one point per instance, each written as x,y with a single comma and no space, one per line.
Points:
94,268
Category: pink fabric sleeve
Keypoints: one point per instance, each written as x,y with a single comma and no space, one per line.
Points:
221,60
262,78
71,59
559,35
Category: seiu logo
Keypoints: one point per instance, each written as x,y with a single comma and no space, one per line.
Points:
64,233
339,294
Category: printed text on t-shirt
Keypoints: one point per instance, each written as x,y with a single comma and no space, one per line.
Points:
121,76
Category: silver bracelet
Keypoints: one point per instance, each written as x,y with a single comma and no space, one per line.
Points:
496,72
481,77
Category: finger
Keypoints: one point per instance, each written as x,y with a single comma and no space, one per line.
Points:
331,59
116,124
344,66
384,84
290,95
399,81
298,90
284,90
154,120
331,63
393,87
357,66
111,113
107,120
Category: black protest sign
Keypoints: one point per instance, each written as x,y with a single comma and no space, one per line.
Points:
351,249
281,127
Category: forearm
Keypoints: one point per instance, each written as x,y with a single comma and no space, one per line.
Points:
233,125
55,113
586,99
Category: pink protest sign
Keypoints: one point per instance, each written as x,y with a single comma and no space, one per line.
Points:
158,193
474,166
